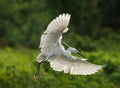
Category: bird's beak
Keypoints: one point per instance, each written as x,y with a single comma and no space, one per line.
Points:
81,54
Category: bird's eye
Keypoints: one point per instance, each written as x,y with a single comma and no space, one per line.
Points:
44,33
76,51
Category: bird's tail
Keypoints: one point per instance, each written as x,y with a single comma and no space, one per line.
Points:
40,58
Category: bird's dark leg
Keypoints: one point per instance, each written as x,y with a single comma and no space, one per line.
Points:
38,69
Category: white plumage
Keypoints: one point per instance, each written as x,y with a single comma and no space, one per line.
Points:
53,51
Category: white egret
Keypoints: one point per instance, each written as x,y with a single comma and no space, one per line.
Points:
60,59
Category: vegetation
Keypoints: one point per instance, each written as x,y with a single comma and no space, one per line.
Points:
94,31
22,22
18,65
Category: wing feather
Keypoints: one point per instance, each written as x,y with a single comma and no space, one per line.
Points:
62,61
59,24
73,66
54,31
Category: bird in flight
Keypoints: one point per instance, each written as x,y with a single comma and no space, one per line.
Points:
61,59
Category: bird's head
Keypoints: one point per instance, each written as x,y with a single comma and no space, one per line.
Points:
72,50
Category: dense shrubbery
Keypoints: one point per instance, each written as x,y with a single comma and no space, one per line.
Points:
94,27
18,65
22,22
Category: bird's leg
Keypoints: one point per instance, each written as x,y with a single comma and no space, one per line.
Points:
39,64
38,69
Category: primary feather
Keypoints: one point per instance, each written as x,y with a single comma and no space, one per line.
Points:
59,58
54,31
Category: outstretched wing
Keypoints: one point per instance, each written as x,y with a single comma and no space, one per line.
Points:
54,31
68,64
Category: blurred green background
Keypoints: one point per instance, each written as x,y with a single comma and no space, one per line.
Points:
94,30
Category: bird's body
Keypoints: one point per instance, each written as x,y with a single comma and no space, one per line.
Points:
60,59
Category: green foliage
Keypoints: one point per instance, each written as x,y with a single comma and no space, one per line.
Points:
94,30
18,65
22,22
85,14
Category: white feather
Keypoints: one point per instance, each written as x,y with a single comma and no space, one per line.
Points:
59,58
69,65
52,33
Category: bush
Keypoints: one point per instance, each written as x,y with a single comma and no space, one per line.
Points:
18,66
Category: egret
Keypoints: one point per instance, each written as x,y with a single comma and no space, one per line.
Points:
61,59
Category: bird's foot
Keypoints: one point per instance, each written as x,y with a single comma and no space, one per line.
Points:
34,77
